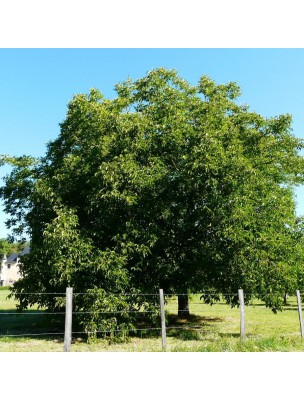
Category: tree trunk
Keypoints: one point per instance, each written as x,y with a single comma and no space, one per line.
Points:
285,298
183,306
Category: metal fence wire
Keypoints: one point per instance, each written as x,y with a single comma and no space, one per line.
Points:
198,319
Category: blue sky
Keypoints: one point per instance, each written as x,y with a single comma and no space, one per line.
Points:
37,84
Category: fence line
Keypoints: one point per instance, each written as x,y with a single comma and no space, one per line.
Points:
68,319
300,313
31,313
37,293
168,295
24,313
33,334
164,299
163,319
106,331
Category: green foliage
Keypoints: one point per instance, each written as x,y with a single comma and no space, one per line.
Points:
167,185
5,247
8,248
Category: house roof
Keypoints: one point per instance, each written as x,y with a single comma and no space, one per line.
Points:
13,257
25,251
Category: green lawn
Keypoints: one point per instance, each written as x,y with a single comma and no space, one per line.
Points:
210,328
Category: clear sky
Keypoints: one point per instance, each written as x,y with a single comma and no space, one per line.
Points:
37,84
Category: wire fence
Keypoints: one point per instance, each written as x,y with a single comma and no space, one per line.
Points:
196,321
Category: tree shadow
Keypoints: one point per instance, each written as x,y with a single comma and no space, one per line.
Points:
229,335
30,323
195,327
192,319
44,325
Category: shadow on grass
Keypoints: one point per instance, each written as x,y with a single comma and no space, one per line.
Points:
30,323
230,335
192,328
45,325
195,327
290,308
192,319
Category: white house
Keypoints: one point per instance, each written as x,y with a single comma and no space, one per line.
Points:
9,272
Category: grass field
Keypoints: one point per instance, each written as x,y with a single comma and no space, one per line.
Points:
213,328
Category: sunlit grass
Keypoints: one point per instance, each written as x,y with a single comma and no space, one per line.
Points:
261,322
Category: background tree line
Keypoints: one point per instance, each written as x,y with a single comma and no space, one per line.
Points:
7,248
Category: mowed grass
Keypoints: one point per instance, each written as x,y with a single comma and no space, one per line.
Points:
213,328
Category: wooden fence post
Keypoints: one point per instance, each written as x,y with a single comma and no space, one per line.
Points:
68,319
300,313
242,313
163,320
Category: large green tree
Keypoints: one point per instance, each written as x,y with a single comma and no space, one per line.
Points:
167,185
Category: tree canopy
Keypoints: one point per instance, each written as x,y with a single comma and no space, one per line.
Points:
4,247
7,248
167,185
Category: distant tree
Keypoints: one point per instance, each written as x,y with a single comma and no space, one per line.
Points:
4,247
8,248
167,185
